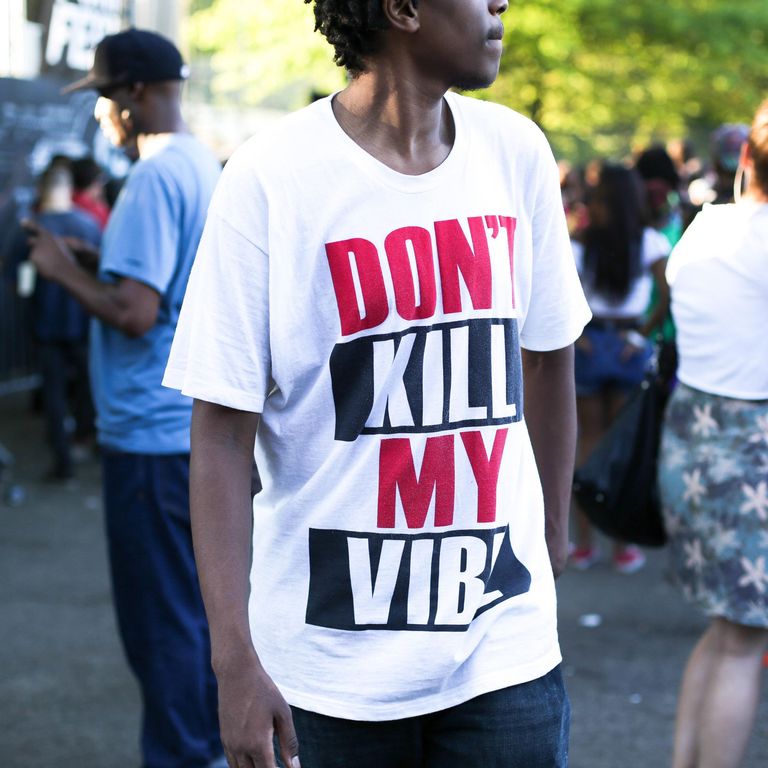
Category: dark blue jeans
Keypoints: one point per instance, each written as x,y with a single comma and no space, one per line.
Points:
524,726
159,607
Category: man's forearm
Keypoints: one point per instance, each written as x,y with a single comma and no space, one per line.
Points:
220,505
87,255
252,711
97,297
550,414
128,305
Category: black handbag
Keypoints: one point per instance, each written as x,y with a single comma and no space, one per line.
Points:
616,487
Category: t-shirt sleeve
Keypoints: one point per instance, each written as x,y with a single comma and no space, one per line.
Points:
558,311
221,350
146,230
655,247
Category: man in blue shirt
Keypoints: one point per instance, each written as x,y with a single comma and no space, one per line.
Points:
146,257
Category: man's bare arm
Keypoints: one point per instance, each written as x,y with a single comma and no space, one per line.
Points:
87,255
128,305
661,310
550,413
251,708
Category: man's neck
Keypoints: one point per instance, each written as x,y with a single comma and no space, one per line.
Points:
405,127
149,144
160,118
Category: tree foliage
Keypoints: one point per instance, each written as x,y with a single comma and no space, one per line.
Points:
265,52
598,75
605,74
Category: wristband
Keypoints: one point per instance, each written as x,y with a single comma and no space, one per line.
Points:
635,338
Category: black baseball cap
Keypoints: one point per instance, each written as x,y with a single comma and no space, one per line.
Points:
132,56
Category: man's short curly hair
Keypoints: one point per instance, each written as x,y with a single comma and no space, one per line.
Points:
351,27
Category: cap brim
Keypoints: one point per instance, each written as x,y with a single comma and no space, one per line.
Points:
90,81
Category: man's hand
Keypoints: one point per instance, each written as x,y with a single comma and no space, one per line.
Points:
49,253
127,304
251,712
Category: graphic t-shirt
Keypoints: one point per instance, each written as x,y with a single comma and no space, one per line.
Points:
375,320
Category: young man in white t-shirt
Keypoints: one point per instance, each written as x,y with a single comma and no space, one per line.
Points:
380,278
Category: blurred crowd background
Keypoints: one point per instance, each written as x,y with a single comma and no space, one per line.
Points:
662,88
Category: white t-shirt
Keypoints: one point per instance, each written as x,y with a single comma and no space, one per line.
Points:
654,247
718,276
399,560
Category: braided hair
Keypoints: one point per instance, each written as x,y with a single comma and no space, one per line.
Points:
351,27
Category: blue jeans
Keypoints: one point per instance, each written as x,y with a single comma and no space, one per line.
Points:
524,726
159,607
605,367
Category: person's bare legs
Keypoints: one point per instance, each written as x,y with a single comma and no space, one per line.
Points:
698,672
719,696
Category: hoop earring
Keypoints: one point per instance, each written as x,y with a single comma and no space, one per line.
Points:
738,183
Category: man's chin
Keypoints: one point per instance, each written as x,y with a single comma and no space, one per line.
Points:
476,82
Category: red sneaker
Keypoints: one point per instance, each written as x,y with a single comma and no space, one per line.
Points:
629,560
583,558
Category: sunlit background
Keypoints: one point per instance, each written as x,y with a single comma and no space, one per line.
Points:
600,76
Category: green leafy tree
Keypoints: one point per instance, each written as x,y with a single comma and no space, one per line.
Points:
263,53
600,76
605,74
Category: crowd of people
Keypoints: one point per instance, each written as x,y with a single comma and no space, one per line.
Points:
59,324
674,254
624,220
369,343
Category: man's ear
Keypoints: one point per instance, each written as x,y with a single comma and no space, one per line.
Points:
402,15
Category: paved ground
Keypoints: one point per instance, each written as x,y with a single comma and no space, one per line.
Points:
66,699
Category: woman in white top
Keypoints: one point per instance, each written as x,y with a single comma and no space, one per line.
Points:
713,470
618,260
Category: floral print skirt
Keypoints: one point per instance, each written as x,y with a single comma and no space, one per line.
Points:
713,479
